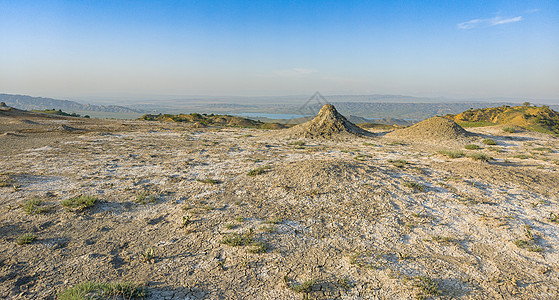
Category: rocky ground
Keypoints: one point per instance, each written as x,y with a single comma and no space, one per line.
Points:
232,213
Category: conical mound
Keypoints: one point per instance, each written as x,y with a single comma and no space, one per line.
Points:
329,123
433,129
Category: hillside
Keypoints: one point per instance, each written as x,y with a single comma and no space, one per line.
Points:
203,120
40,103
540,119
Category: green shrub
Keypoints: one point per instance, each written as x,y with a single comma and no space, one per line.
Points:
471,147
452,154
258,171
79,203
480,156
426,286
414,185
34,206
273,220
509,129
26,239
521,156
304,287
237,239
93,290
145,198
297,143
258,247
489,142
543,149
208,181
400,163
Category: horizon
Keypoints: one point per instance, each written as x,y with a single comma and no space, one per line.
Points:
290,99
127,50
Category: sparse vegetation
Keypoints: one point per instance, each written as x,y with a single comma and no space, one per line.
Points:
208,181
480,156
495,149
543,149
529,242
80,203
521,156
245,239
539,119
400,163
148,255
269,228
238,239
441,239
304,287
145,198
427,287
273,221
489,142
258,171
113,290
452,154
258,247
305,218
297,143
25,239
414,186
58,112
34,206
471,147
230,226
345,283
509,129
475,124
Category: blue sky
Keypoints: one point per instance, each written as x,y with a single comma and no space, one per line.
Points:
81,49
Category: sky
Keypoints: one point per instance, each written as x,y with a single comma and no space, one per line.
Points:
122,49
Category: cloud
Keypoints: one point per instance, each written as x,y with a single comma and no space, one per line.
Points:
477,23
296,72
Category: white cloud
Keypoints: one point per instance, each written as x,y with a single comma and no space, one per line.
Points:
476,23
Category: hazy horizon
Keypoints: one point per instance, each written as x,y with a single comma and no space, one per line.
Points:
140,49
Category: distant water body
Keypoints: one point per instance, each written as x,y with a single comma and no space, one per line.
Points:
271,116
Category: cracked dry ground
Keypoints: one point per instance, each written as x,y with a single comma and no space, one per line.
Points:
361,219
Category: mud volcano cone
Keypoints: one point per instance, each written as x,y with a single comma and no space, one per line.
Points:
329,123
434,129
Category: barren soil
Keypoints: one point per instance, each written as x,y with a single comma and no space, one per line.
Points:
365,218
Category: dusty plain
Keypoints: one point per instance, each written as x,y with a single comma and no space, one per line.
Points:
237,213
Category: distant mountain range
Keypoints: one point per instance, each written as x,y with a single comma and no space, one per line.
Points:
40,103
365,106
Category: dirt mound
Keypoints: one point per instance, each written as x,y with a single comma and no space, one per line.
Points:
327,124
434,129
66,128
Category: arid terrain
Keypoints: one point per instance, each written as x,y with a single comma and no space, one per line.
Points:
322,210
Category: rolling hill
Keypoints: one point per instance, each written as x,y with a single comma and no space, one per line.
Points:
540,119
